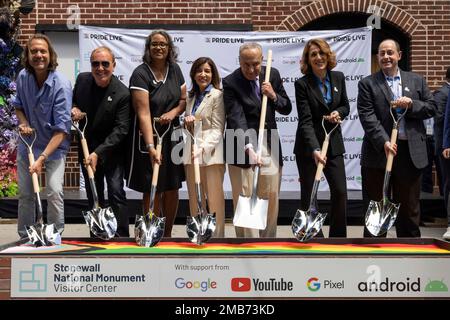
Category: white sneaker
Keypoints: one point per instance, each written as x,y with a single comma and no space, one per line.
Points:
446,235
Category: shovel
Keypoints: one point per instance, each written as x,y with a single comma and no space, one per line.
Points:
252,212
201,227
307,224
381,215
39,234
149,229
101,221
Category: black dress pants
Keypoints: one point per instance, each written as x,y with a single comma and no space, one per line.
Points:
114,175
334,172
405,189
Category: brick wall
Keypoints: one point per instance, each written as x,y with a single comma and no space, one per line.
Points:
426,22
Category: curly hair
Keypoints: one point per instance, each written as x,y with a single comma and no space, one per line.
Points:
305,66
53,63
173,51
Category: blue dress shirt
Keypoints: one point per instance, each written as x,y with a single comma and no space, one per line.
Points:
47,110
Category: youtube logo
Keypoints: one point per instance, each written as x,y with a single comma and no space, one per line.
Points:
241,284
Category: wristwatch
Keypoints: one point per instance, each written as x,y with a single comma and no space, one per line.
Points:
149,146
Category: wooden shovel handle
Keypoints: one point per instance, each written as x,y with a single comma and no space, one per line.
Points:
34,176
262,118
390,157
196,166
323,153
156,166
86,156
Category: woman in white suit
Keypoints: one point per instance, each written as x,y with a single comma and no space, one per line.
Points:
205,102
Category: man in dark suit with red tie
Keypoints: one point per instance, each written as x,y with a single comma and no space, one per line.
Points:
375,93
242,93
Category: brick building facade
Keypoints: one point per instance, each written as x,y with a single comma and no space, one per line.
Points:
425,23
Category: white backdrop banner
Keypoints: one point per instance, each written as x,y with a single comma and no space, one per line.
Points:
352,47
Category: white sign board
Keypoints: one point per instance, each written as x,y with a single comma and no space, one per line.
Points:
352,48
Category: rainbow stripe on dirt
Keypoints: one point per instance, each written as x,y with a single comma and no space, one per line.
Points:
246,248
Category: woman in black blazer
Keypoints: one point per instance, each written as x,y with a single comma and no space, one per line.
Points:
321,93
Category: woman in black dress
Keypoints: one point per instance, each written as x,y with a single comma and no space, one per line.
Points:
157,89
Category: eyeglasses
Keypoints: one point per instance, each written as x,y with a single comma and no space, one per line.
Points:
161,45
96,64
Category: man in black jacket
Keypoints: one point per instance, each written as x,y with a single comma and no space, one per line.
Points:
440,127
105,100
440,96
407,90
242,93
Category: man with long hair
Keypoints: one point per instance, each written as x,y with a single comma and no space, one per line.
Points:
43,102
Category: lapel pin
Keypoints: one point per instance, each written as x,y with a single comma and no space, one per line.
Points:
406,89
336,90
109,98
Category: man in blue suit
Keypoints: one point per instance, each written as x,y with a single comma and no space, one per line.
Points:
443,99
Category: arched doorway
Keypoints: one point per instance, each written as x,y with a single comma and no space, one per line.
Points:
348,20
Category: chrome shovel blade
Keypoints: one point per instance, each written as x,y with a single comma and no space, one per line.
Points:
380,216
101,222
307,225
43,235
251,213
149,230
201,227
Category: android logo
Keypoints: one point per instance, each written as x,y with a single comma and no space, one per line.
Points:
436,286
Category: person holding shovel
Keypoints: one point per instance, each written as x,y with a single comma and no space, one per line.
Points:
242,91
377,93
43,102
321,93
205,102
106,102
158,90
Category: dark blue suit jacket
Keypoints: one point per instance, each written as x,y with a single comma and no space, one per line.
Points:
446,142
440,96
243,111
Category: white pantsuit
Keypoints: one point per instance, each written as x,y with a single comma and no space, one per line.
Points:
212,168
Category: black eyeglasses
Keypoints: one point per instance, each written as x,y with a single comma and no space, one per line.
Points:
96,64
161,45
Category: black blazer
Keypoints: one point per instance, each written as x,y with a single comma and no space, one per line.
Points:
311,107
440,96
107,133
243,109
374,96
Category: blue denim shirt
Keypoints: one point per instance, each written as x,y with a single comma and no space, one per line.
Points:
47,110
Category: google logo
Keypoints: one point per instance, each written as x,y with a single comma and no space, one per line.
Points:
180,283
313,284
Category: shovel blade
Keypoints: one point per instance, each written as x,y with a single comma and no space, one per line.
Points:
149,230
43,235
101,222
380,216
201,227
307,225
251,214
